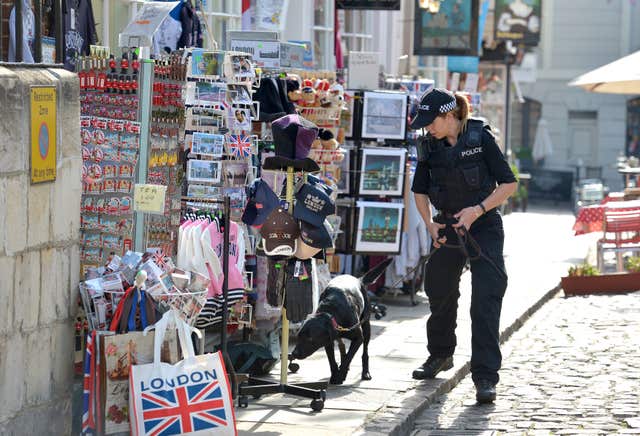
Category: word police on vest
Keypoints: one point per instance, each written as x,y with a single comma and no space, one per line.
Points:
279,234
181,380
470,152
313,204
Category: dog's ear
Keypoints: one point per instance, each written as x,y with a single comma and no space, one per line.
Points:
373,274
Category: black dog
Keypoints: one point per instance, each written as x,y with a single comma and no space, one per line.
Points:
343,313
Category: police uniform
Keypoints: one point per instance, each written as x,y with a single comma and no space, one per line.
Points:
454,177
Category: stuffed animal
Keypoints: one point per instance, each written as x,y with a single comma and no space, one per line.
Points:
327,140
293,91
322,91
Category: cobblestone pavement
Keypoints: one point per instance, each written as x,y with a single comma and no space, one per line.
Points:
573,368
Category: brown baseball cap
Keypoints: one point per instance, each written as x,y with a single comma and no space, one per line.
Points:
279,233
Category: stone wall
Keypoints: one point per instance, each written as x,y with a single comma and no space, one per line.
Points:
39,259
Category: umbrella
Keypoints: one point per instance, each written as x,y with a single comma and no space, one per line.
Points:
618,77
542,146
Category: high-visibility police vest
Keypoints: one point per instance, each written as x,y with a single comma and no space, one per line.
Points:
459,174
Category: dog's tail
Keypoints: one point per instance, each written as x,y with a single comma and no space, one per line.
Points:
373,274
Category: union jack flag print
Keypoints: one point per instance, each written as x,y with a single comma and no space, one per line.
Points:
183,409
240,146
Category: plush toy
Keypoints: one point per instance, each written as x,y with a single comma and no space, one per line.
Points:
308,97
322,91
293,91
327,140
336,95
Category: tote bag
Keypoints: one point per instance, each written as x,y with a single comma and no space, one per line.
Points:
191,397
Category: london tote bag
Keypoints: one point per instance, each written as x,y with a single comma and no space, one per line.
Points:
191,397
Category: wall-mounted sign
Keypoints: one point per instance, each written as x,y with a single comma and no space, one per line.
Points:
43,133
388,5
149,198
518,21
452,31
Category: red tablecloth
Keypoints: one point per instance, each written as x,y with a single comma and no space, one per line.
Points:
591,218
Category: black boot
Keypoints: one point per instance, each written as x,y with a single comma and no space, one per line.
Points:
485,391
432,367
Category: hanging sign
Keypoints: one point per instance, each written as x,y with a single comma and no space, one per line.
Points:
363,70
149,198
139,32
388,5
518,21
43,133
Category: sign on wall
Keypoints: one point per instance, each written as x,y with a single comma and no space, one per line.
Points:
518,21
389,5
452,31
43,133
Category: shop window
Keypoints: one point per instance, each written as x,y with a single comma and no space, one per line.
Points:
323,34
356,28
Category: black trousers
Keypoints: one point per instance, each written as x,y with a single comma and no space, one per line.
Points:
442,285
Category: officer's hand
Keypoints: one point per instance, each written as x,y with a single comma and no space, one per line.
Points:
433,228
466,217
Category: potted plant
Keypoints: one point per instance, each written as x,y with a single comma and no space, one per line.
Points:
585,279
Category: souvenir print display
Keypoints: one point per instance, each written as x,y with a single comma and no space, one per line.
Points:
382,171
384,115
379,228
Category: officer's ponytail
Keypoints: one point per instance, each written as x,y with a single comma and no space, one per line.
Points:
462,110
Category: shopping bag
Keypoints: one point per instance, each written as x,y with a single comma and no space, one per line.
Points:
117,354
191,397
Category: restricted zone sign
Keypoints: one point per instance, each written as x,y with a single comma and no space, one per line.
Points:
43,133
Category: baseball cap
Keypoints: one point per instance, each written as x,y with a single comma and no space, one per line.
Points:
261,200
313,204
292,138
279,233
433,102
312,239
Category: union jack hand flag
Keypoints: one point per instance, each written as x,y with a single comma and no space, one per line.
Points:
183,409
240,146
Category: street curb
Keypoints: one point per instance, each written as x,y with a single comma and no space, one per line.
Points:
391,420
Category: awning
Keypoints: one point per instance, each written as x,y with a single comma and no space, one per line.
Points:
618,77
139,32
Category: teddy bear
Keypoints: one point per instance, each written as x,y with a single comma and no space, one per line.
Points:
293,91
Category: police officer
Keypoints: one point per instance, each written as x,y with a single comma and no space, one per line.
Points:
464,175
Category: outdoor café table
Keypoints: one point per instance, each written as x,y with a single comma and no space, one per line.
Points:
591,218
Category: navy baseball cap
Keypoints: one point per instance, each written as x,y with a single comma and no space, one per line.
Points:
433,102
312,239
261,201
313,204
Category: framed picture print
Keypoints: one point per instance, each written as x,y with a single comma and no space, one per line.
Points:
206,120
382,171
384,115
344,179
347,116
207,144
379,228
204,171
452,31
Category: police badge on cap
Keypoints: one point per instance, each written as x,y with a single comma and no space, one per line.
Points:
433,103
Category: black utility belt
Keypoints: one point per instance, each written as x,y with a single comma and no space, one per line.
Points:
448,214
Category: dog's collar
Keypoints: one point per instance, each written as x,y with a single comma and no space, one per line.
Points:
337,326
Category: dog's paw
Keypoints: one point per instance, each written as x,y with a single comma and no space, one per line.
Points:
366,376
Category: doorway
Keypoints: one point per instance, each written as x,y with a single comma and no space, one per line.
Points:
583,134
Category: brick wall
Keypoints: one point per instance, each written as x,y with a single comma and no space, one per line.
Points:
39,259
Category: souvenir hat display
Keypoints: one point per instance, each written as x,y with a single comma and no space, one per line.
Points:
261,201
279,234
273,101
292,138
313,204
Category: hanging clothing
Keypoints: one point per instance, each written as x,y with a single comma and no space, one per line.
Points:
79,30
191,28
28,33
166,38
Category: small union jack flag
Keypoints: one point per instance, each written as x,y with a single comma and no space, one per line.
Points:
184,409
240,146
88,422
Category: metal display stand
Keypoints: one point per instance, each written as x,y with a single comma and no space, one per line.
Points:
257,387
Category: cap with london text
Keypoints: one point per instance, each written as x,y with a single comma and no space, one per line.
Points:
433,103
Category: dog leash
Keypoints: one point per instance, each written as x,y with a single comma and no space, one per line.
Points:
338,327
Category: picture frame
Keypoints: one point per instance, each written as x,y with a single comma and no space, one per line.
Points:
344,181
518,21
207,144
384,115
347,116
452,31
208,171
379,228
382,172
203,191
207,120
344,240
